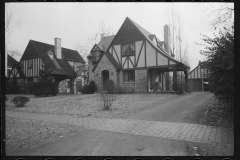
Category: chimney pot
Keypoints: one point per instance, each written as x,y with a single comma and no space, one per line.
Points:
58,48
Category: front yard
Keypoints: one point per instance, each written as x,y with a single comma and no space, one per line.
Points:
90,105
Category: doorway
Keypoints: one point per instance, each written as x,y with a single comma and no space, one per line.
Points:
105,77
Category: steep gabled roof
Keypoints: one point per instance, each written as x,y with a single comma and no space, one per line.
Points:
148,35
67,55
103,44
11,61
159,48
111,59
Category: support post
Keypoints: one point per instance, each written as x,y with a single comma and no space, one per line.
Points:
147,80
202,84
186,80
167,80
72,86
174,78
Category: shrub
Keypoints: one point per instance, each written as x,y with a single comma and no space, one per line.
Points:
107,100
181,87
29,88
119,90
92,87
110,86
12,87
189,89
39,92
20,101
85,90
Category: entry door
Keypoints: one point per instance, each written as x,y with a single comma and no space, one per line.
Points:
105,75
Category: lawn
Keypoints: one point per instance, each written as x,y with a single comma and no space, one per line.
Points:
90,104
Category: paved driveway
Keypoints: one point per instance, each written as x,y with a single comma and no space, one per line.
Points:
187,109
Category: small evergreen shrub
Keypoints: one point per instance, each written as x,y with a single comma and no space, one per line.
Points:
119,90
20,101
85,90
181,87
92,87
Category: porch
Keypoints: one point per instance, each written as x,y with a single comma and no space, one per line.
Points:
166,79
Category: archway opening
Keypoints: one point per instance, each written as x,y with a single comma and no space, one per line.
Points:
105,77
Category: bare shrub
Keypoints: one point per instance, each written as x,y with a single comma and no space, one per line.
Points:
107,95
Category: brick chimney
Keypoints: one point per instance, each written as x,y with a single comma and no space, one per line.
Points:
102,36
58,48
166,30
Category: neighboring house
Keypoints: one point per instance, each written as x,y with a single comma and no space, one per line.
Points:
61,61
198,77
11,61
135,60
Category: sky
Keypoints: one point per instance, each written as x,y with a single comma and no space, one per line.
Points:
75,22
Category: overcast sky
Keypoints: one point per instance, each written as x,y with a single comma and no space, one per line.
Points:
74,23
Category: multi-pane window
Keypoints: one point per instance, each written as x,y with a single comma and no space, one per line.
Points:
129,76
95,56
30,63
128,49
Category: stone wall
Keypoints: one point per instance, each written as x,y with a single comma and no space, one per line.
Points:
105,64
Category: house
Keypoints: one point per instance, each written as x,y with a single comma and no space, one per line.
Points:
61,61
10,62
198,77
135,60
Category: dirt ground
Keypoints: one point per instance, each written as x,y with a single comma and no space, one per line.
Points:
24,133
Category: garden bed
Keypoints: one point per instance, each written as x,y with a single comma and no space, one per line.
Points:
218,114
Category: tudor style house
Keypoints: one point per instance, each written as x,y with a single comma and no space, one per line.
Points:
198,77
135,60
37,55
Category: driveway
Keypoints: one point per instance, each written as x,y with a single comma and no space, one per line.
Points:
187,109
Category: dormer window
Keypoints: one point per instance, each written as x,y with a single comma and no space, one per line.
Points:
50,54
95,56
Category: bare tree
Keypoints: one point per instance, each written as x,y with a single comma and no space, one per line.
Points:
178,44
8,29
84,50
103,29
220,15
13,53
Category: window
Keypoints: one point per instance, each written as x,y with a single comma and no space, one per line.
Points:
129,76
95,56
30,63
128,49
